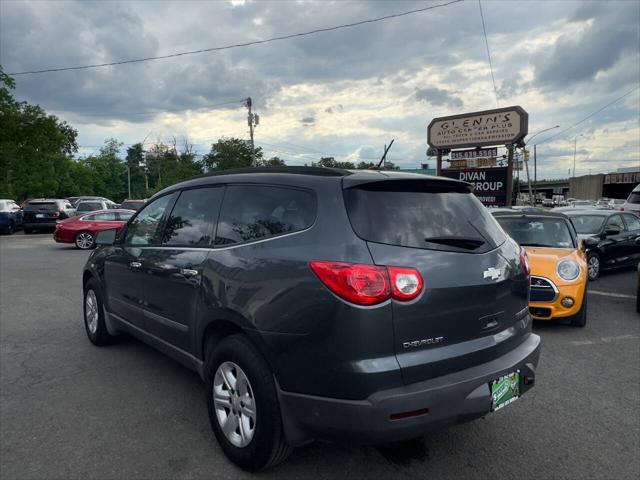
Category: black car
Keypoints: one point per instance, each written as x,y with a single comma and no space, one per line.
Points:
43,214
320,303
610,238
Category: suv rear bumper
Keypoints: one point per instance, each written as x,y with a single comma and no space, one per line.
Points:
452,398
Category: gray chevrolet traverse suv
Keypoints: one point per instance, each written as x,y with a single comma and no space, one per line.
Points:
321,303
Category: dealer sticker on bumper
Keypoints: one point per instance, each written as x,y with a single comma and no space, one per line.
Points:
505,390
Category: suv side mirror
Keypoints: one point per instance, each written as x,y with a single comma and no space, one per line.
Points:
106,237
589,242
611,231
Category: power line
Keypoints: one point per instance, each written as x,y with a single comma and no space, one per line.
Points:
153,112
486,42
238,45
589,116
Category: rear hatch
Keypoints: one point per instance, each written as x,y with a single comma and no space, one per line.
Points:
45,211
473,307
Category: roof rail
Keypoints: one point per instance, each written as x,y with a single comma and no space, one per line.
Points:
319,171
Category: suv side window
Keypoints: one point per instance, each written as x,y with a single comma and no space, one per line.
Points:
615,223
254,212
192,220
633,222
142,229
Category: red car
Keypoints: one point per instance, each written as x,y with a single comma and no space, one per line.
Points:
82,230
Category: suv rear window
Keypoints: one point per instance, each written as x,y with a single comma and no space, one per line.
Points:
41,206
254,212
634,198
415,213
89,206
192,220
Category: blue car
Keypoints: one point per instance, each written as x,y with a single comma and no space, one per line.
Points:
10,216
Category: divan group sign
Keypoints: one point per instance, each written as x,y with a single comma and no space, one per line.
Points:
490,184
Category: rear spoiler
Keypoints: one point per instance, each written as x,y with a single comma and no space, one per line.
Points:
383,180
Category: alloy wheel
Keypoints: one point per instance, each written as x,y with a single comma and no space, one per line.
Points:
234,404
594,267
84,240
91,311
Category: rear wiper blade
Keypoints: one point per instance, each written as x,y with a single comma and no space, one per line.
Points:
469,243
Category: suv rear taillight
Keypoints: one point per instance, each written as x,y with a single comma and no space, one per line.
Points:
368,284
406,283
524,261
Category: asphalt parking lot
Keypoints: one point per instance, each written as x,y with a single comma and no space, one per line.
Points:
71,410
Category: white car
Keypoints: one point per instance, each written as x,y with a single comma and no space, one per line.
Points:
616,203
633,202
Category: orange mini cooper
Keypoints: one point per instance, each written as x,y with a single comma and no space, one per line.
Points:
558,263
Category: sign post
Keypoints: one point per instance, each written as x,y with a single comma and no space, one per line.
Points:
503,126
509,176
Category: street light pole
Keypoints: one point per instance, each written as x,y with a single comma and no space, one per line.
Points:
575,144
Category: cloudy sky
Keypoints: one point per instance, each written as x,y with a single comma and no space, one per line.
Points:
343,93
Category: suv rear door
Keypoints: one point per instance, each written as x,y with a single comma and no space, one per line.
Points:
475,289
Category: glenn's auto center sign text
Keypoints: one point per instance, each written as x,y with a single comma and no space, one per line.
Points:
490,184
490,127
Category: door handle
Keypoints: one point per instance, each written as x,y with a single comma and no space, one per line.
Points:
188,272
135,265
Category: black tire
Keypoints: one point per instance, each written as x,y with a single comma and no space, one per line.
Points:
8,230
580,318
100,336
84,240
593,271
268,447
28,231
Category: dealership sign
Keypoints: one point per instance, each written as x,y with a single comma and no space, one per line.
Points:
502,126
490,184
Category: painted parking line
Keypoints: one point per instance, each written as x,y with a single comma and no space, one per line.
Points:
611,294
604,340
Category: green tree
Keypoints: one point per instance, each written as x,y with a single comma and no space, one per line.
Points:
107,171
135,162
35,149
389,166
273,162
166,166
366,166
229,153
330,162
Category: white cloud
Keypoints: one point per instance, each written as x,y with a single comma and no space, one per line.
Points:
356,88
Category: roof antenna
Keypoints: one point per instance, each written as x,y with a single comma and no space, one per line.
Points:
384,155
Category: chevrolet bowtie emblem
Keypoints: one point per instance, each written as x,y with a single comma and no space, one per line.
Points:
492,273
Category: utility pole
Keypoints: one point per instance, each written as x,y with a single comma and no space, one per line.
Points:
535,171
253,120
575,143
